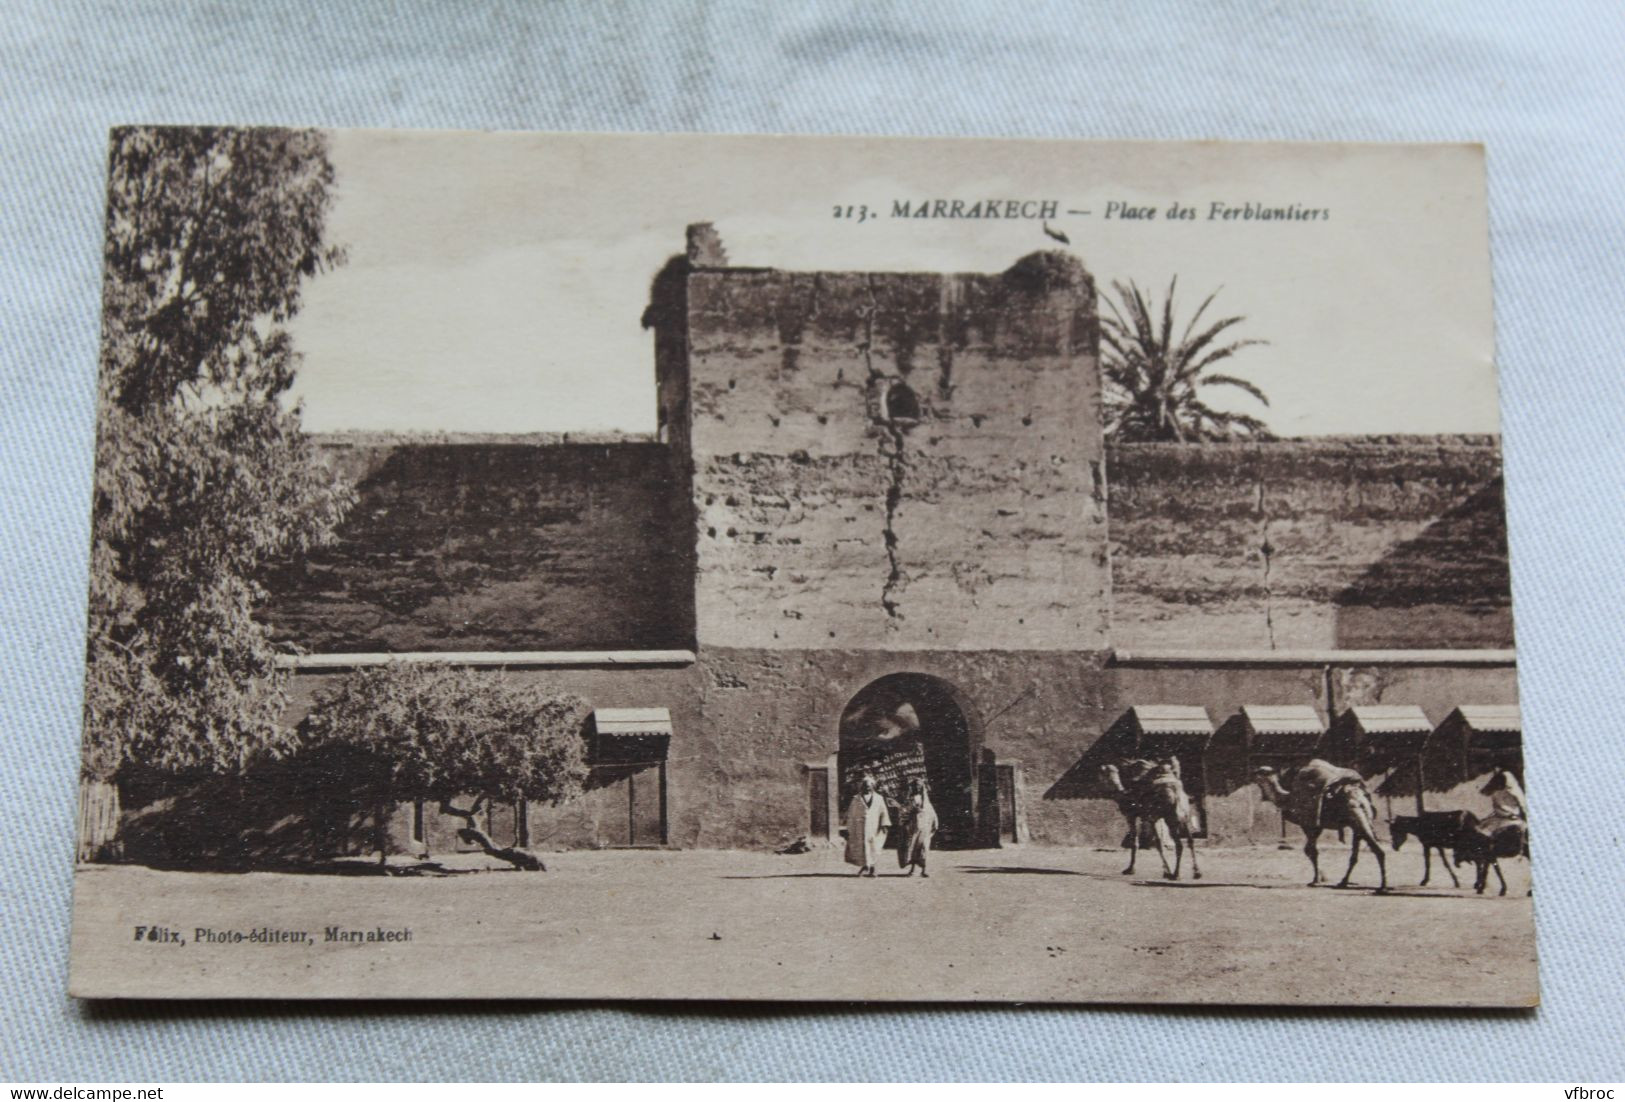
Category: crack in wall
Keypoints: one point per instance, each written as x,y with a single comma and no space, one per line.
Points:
898,463
1266,549
892,450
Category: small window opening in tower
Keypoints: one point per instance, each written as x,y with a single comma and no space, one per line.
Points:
902,404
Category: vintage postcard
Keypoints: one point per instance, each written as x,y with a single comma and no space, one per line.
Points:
782,568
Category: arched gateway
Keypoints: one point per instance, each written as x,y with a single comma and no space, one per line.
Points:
908,725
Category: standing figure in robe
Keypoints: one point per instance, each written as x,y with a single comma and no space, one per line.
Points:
866,823
919,823
1508,807
1507,800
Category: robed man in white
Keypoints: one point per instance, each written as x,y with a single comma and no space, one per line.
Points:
919,823
867,820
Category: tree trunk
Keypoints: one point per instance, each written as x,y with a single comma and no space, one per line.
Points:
98,820
472,834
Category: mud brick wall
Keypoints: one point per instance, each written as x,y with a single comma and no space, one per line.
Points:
891,460
745,720
737,777
1369,542
492,544
768,710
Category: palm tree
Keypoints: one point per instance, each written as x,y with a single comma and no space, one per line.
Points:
1153,385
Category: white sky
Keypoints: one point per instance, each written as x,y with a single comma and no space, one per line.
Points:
496,281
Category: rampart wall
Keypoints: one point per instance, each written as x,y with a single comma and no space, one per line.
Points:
1354,543
502,543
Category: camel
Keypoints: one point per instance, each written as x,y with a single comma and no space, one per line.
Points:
1154,792
1324,797
1112,776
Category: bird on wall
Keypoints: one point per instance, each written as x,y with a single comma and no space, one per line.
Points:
1056,234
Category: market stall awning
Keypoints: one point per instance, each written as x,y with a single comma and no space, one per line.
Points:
1482,727
630,735
632,721
1493,718
1171,719
1281,729
1169,727
1379,735
1390,719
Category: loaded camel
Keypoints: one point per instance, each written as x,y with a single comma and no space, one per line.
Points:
1152,792
1323,797
1128,804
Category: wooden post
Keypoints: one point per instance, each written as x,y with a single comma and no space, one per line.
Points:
665,830
631,808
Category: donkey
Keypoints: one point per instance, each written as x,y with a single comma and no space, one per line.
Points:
1436,830
1484,844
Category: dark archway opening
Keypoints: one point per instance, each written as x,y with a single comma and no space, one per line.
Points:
908,725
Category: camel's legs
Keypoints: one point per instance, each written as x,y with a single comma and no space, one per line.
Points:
1354,856
1382,862
1133,844
1157,833
1427,865
1190,840
1363,835
1313,852
1179,848
1496,865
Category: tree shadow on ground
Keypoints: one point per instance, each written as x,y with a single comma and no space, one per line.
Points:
1214,884
361,867
1020,870
793,876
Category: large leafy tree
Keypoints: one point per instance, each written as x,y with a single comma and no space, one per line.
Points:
446,733
1154,379
202,473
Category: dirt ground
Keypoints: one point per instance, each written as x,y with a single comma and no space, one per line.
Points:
1025,923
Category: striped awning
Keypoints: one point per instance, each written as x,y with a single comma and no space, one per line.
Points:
1165,728
632,721
1171,719
1493,718
1282,719
630,737
1281,730
1391,719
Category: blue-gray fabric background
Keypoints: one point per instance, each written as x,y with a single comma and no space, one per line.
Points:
1542,83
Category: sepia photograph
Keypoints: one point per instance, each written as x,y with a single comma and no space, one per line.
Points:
692,567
